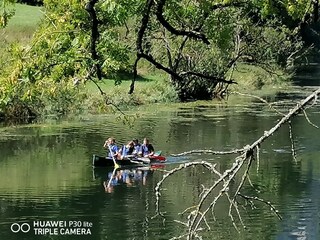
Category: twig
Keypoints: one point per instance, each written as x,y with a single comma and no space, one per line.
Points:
107,100
306,116
244,177
258,157
235,151
261,99
207,165
198,216
293,151
228,175
276,212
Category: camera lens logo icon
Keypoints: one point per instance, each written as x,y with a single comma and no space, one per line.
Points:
16,227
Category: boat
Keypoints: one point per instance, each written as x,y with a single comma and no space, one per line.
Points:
98,161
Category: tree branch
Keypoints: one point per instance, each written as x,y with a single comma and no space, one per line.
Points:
209,197
213,78
141,32
179,32
94,35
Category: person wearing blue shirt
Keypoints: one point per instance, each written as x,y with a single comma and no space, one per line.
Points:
110,145
136,147
146,149
127,150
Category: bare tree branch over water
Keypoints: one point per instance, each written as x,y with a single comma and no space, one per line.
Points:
221,186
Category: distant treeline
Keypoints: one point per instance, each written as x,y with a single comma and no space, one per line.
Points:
31,2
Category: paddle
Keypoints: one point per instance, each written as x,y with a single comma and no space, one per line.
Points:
113,174
114,160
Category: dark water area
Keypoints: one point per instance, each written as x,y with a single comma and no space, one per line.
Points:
46,175
308,75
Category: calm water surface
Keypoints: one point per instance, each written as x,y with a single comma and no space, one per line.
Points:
46,174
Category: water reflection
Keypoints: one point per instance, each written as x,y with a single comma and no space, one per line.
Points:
45,172
122,176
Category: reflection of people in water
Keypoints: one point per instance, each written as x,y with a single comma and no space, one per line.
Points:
125,176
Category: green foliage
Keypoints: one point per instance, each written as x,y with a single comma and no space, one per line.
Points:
155,91
6,12
280,9
42,75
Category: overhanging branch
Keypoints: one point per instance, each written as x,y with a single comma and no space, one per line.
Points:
179,32
221,186
94,35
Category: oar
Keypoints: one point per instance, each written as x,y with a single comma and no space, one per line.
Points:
113,174
114,160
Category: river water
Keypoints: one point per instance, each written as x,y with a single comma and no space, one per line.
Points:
46,175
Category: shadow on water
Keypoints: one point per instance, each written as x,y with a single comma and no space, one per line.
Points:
308,75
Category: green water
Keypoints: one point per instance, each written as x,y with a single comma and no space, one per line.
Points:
46,174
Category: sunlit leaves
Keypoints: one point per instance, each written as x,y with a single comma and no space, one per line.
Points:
296,9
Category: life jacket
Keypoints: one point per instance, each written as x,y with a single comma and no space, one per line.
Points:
114,149
136,149
144,149
126,150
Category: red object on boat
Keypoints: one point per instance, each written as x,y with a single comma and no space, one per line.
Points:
158,158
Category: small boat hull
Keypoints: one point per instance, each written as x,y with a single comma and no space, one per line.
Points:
98,161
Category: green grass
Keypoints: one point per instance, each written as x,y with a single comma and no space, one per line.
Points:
108,85
149,89
22,25
254,78
19,30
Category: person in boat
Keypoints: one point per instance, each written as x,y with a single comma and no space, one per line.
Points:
136,147
146,149
110,145
127,150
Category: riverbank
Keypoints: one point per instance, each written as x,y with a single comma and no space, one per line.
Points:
152,86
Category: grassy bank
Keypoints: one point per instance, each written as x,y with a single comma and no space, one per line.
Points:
22,25
149,88
19,30
253,78
152,86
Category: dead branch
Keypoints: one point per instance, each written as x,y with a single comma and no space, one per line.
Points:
276,212
260,99
208,199
293,151
294,111
235,151
207,165
307,118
